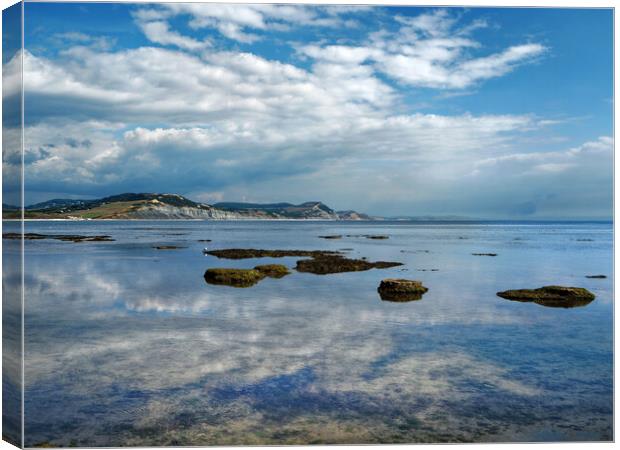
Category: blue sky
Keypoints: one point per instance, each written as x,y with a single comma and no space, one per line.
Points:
480,112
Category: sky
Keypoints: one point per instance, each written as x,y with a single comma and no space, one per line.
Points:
495,113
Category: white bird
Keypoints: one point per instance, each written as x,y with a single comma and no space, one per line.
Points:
204,250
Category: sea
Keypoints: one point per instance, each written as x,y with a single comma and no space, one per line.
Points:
127,345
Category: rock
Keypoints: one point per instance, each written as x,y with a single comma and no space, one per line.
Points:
26,236
233,277
596,276
99,239
204,240
376,236
322,262
401,290
553,296
245,253
60,237
332,236
326,264
484,254
273,270
167,247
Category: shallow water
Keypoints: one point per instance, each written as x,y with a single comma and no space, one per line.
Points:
127,345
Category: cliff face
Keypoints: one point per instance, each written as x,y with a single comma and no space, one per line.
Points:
307,210
149,206
152,212
353,215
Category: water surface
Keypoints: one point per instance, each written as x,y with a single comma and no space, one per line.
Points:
127,345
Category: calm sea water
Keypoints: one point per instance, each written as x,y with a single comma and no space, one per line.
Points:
127,345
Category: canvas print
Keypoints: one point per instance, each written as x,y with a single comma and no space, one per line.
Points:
272,224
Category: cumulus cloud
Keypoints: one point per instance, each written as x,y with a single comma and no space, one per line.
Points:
159,32
230,116
235,122
428,50
236,21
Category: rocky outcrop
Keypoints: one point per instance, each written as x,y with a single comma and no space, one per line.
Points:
401,290
273,270
244,277
552,296
321,262
326,264
246,253
233,277
59,237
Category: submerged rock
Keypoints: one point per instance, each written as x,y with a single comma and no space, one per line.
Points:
273,270
246,253
60,237
553,296
376,236
332,236
167,247
596,276
233,277
401,290
326,264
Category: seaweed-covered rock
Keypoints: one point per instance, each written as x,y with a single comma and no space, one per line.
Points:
273,270
401,290
167,247
246,253
553,296
233,277
321,262
325,264
60,237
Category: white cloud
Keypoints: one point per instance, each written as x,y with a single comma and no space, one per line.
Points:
559,160
159,32
243,125
429,51
235,21
234,118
